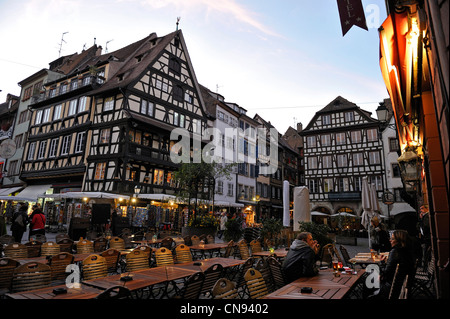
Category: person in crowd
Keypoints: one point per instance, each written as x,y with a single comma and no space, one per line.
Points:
222,227
425,233
114,218
19,222
37,223
301,258
2,224
402,253
379,236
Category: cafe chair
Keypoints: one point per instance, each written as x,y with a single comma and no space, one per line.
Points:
6,239
58,263
7,266
256,284
61,236
423,282
229,249
195,240
39,237
187,240
263,267
136,260
65,245
167,242
335,252
85,246
34,248
163,256
183,254
325,255
255,246
100,244
224,289
210,239
192,287
116,292
212,274
31,276
16,251
91,235
112,258
50,248
239,277
243,249
149,251
345,255
128,241
276,270
117,243
404,289
94,266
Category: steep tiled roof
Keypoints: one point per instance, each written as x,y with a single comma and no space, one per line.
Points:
123,61
338,104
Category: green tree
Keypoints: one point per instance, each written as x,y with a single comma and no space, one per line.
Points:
198,180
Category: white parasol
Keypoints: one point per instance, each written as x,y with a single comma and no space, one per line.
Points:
368,206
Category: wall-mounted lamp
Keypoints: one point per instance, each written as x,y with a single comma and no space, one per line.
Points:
137,190
411,168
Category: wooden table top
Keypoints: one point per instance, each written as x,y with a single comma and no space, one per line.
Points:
140,280
209,246
280,252
83,292
324,286
203,264
366,258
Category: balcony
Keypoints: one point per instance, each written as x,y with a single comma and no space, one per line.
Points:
55,95
344,196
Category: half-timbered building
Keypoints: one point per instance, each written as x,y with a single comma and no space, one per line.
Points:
150,90
342,145
106,126
54,154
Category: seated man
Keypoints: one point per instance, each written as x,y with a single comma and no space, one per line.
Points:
300,261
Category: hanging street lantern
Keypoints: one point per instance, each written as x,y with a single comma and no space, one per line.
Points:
411,169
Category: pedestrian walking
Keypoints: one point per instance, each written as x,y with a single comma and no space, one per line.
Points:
37,223
19,222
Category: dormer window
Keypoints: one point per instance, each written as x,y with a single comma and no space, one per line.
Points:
139,58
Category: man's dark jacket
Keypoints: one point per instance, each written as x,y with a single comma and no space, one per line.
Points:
300,261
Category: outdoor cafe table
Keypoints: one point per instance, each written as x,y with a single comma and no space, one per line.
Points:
230,265
324,286
81,292
364,259
278,253
210,248
147,278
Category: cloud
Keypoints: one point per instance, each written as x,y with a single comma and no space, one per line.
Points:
229,7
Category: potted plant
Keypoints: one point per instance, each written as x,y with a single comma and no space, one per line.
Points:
271,229
233,230
201,224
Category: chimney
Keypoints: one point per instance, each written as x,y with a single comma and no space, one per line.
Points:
299,127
